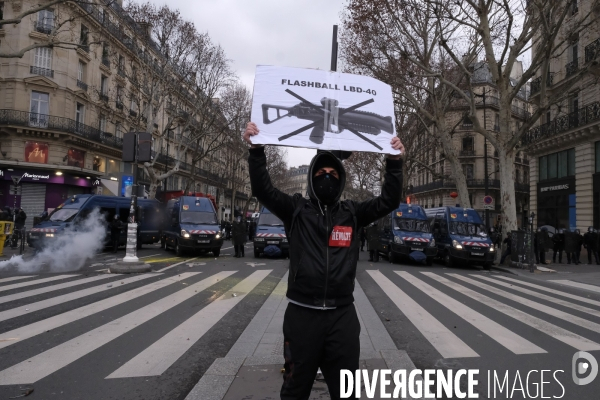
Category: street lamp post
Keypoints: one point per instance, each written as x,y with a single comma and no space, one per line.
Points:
531,265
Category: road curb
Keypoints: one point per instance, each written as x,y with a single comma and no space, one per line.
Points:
122,267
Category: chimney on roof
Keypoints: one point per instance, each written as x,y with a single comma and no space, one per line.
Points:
146,28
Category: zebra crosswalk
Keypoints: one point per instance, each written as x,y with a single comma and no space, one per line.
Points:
522,301
65,322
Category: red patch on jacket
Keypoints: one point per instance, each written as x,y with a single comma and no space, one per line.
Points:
341,236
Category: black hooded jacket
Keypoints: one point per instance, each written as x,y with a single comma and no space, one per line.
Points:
321,271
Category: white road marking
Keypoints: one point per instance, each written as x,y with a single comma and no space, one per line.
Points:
36,282
36,328
585,286
445,342
549,290
554,331
494,330
40,305
175,265
253,264
16,278
584,323
542,296
50,361
47,289
158,357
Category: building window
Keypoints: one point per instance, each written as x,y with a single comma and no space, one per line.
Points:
467,143
119,130
119,102
557,165
80,71
104,85
517,176
39,109
79,114
42,62
468,171
102,123
121,66
114,166
1,10
574,7
99,164
45,21
497,123
83,38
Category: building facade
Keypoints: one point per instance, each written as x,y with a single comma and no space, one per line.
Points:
64,111
565,144
297,181
430,186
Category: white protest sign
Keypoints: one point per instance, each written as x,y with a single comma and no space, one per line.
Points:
322,110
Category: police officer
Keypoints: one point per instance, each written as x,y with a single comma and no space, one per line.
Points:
116,225
320,326
238,238
578,242
590,242
559,245
227,230
373,238
20,219
363,238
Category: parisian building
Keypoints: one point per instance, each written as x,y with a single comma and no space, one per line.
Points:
297,181
565,144
431,187
62,117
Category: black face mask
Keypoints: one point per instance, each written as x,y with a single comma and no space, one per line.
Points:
326,188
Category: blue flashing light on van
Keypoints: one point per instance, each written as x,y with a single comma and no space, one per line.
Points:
191,224
78,207
461,236
404,231
269,231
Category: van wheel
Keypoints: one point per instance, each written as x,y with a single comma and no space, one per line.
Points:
178,250
392,257
429,261
216,252
449,261
487,266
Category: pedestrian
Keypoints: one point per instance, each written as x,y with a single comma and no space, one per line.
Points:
363,237
590,242
20,218
539,245
507,252
116,225
578,243
238,238
559,245
373,238
227,230
320,326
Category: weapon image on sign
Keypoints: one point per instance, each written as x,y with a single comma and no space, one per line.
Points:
328,115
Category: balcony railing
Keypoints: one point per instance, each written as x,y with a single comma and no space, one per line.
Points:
82,85
41,71
43,27
592,50
571,68
106,62
467,153
54,123
581,117
536,84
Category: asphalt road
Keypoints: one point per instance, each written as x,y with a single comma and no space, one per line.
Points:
87,334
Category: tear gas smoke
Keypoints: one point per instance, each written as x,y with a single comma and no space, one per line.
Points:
68,250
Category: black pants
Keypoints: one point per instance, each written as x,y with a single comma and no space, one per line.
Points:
560,253
595,252
239,250
362,244
313,339
373,255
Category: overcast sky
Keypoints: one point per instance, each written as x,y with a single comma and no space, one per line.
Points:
268,32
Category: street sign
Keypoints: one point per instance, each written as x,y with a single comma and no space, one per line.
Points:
16,179
488,203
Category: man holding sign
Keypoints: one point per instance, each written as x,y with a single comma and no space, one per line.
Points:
321,328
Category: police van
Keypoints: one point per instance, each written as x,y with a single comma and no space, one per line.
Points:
78,207
404,231
191,224
269,231
461,236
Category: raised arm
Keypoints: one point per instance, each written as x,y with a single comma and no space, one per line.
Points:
279,203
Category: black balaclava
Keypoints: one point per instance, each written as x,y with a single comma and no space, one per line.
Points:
326,187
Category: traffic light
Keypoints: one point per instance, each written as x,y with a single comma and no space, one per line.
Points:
144,146
129,147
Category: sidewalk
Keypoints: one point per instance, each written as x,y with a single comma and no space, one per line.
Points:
252,368
583,273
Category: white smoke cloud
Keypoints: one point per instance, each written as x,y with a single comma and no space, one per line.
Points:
68,251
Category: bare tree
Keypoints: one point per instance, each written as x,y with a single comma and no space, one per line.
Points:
443,42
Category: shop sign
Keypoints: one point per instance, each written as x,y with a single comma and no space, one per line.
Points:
36,152
35,177
126,185
554,188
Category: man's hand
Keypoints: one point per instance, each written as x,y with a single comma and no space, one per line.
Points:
396,145
251,130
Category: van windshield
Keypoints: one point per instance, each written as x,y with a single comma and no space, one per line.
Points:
270,220
468,228
411,225
63,214
198,217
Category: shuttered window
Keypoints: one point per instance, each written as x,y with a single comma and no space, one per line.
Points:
43,57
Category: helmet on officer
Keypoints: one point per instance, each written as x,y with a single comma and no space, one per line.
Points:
590,229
